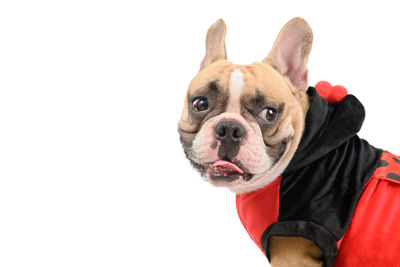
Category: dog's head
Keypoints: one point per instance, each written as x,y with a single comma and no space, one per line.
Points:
241,124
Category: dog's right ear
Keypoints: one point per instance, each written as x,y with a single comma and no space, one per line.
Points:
215,44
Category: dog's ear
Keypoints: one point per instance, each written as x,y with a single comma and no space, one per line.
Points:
289,54
215,44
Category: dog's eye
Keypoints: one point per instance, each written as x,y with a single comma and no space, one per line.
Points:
199,104
268,114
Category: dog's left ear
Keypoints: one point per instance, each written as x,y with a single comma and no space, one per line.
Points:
289,54
215,43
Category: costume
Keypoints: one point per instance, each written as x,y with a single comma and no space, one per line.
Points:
338,190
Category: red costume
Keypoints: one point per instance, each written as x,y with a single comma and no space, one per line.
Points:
338,190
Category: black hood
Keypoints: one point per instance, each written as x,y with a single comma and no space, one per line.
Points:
324,180
327,127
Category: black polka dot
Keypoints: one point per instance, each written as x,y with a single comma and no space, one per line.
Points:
393,176
397,160
383,163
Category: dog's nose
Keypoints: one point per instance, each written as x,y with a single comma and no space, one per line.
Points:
230,133
229,130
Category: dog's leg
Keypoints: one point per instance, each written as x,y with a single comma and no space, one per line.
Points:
294,251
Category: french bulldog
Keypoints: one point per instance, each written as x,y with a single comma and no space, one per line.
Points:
242,124
293,158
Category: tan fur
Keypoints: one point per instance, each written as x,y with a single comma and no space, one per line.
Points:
219,70
294,252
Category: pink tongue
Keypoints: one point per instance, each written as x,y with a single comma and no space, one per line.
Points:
227,164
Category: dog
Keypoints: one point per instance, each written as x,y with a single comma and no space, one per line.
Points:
309,191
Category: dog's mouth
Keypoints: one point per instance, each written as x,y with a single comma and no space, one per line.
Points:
223,171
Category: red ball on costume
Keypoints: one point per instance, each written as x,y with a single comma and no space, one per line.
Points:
332,94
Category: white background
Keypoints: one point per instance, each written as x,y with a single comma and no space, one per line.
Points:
91,169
